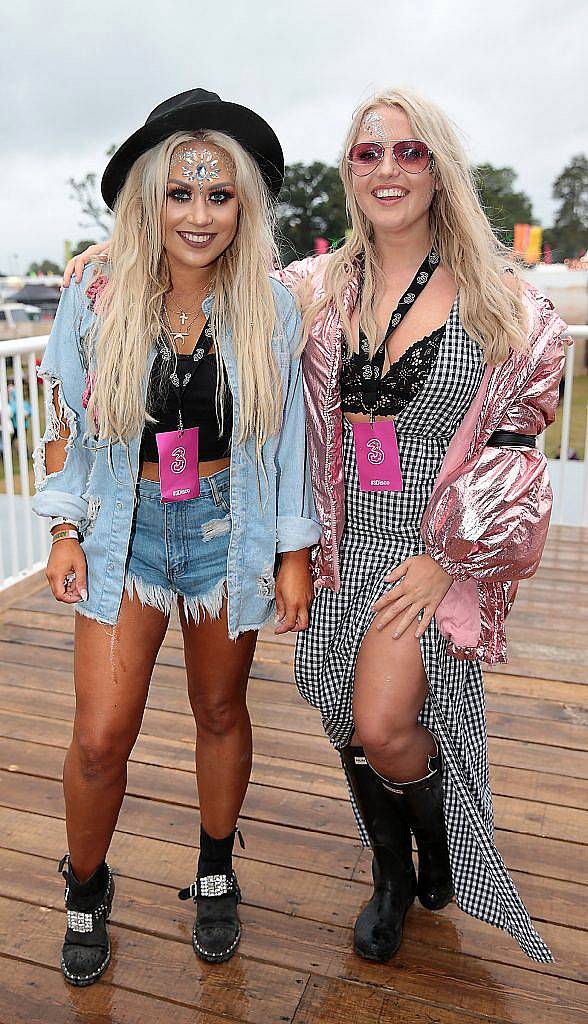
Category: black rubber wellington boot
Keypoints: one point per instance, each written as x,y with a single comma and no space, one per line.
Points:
86,950
421,805
216,893
378,929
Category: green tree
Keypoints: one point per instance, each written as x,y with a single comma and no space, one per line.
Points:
85,192
83,244
569,234
311,205
46,267
504,206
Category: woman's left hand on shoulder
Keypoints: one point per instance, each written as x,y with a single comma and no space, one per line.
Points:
420,585
294,592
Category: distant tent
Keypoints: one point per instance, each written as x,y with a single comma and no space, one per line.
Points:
41,295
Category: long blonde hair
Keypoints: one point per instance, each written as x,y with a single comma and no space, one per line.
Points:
491,312
139,277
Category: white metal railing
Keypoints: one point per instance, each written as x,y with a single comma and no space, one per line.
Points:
24,539
577,332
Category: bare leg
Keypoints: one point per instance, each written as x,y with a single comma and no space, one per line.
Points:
390,689
113,667
218,670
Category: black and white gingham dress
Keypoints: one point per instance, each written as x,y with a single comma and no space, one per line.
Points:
382,529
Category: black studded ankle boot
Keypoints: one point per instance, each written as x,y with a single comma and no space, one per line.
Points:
86,950
378,930
421,804
215,891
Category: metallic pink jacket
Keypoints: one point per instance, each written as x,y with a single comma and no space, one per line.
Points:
486,522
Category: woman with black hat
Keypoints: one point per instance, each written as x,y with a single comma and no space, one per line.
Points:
173,470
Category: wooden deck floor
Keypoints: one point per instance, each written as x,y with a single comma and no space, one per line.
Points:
303,872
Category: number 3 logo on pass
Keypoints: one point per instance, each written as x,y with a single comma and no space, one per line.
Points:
376,456
375,453
179,463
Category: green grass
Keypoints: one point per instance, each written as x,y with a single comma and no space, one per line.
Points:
577,421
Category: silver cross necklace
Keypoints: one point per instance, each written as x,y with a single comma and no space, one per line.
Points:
178,338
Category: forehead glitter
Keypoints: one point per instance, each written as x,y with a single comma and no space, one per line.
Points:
373,124
198,165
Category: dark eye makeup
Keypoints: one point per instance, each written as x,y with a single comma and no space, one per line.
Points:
184,195
180,195
220,196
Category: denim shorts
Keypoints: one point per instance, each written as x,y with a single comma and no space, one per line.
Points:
179,549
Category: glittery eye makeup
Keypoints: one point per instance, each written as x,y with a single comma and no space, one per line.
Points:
217,196
220,196
180,195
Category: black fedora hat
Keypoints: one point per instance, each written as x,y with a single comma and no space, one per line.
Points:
192,111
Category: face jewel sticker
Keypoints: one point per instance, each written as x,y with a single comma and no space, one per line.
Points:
373,124
198,165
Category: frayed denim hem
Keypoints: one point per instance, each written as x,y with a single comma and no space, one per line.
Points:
165,600
79,609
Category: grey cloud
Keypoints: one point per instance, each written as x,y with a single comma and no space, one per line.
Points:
79,77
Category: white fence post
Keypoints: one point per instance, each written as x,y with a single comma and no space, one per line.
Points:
565,432
23,549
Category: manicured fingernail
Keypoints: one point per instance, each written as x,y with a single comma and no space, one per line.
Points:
396,635
84,594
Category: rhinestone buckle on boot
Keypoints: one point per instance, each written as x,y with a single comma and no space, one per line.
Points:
211,885
80,922
85,921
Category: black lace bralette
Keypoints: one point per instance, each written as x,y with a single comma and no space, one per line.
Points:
400,384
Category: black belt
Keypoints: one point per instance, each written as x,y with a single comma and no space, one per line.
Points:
508,439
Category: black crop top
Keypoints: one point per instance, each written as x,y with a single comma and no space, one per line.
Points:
199,406
400,384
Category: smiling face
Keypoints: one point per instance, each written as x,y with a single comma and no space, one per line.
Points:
202,207
394,200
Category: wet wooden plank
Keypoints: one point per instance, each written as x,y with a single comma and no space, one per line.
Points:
306,895
297,776
163,968
295,719
325,812
32,994
328,1001
168,692
309,946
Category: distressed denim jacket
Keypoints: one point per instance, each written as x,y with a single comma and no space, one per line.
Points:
96,488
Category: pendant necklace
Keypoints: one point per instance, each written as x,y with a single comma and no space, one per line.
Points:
182,314
178,338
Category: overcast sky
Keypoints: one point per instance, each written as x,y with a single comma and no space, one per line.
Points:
77,77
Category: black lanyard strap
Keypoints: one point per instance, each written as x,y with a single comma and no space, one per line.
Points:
180,387
369,370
